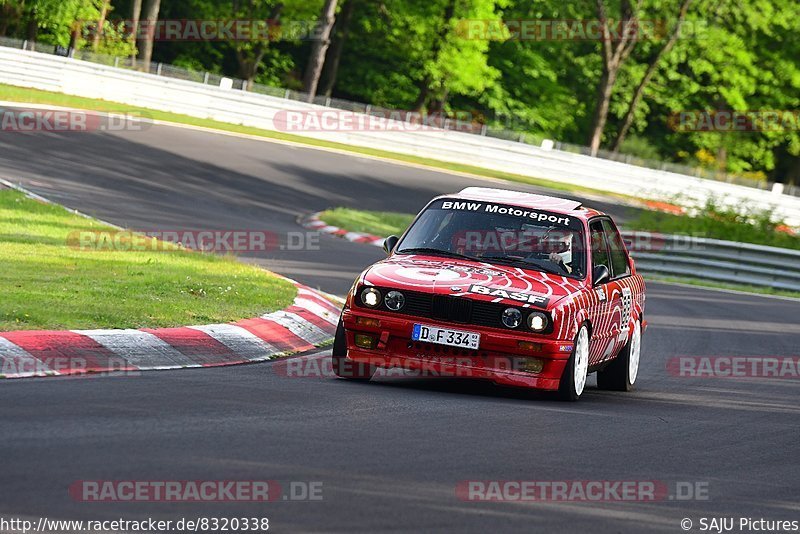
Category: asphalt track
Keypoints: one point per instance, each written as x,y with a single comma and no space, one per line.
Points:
389,453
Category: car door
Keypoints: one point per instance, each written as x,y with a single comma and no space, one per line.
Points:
618,291
600,311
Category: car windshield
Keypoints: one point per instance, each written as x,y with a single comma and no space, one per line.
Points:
498,233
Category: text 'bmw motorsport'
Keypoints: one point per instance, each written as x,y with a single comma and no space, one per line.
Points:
506,210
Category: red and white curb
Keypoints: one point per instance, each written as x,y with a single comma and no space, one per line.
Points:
313,222
308,323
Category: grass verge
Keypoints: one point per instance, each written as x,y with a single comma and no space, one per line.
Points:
379,223
714,223
47,282
36,96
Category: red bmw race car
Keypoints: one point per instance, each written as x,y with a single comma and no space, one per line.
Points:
520,289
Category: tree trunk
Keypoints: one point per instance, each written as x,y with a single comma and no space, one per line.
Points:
342,30
249,61
6,12
614,56
32,31
146,47
74,36
136,12
652,67
722,161
318,50
422,98
792,177
603,100
100,23
248,66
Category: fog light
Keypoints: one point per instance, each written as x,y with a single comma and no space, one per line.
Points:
512,317
371,297
529,345
531,365
365,341
368,321
537,321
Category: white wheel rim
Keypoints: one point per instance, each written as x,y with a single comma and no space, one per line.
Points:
581,366
636,349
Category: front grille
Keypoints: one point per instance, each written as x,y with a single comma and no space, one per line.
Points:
448,308
454,309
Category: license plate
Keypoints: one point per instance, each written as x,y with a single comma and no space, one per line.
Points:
446,336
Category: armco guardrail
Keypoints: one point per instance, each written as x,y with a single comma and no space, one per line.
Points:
713,259
81,78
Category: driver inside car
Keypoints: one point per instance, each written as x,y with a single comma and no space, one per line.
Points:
561,252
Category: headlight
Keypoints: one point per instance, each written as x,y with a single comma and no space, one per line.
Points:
512,317
537,321
371,297
394,300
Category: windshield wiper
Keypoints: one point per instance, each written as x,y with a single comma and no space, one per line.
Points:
436,252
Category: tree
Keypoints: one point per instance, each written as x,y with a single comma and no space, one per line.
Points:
104,6
334,56
652,66
613,55
136,13
453,62
319,48
146,39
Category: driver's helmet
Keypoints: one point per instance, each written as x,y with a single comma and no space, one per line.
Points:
561,244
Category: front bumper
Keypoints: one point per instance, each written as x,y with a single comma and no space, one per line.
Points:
500,358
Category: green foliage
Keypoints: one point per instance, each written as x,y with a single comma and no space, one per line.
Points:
640,147
114,41
407,54
716,220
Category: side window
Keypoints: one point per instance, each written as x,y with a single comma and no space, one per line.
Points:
619,257
599,246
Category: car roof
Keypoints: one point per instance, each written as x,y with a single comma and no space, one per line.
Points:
527,200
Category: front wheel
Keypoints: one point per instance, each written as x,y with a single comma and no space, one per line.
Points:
344,368
574,378
620,375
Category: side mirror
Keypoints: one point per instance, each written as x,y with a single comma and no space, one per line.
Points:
600,275
390,243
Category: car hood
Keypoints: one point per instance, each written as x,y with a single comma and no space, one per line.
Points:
477,280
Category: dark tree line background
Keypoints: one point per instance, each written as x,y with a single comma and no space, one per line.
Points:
617,94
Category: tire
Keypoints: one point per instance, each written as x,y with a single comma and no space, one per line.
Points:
573,381
342,367
620,375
